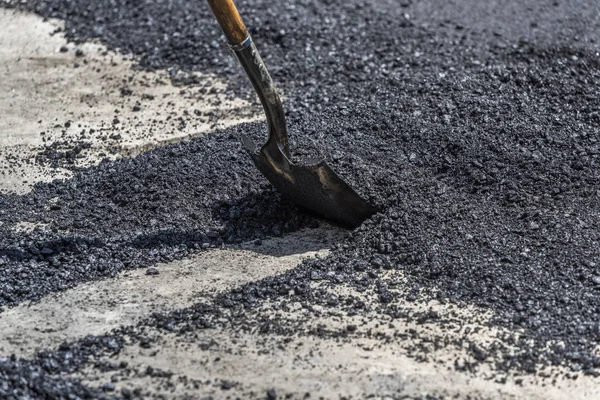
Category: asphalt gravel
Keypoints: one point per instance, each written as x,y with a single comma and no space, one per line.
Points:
481,148
134,213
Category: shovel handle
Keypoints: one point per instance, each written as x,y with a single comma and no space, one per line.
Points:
230,20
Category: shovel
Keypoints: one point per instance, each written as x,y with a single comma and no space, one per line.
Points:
311,185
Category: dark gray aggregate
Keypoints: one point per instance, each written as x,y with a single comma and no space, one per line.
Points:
480,146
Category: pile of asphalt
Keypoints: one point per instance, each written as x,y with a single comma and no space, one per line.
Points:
19,380
481,150
136,212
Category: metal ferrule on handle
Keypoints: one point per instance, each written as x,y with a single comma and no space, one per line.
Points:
242,45
250,59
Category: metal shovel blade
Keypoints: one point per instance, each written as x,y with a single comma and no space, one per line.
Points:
313,186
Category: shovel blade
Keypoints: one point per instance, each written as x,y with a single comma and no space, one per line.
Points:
313,186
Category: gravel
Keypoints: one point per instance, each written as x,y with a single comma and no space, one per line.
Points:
481,149
134,213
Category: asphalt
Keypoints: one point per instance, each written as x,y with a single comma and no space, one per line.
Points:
478,142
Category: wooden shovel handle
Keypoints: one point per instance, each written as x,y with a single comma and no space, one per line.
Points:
230,20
